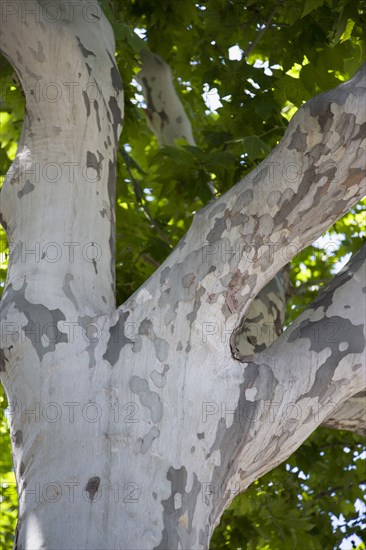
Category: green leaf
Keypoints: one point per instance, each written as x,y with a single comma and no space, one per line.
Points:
255,148
311,5
126,34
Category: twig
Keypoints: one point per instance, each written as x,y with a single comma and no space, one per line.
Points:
260,34
139,194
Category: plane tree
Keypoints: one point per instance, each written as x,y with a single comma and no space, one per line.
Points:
135,426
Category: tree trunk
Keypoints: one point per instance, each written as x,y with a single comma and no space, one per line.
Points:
134,427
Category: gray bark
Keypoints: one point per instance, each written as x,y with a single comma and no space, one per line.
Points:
134,427
167,119
263,323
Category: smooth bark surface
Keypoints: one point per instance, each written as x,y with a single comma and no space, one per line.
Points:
134,428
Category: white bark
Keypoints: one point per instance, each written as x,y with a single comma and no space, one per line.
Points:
130,426
65,163
165,113
169,122
264,320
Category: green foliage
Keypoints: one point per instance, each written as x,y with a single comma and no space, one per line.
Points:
8,494
293,49
291,507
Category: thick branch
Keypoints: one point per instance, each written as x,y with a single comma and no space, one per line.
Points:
234,246
165,114
296,384
349,416
264,320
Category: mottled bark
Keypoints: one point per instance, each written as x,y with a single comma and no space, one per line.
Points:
63,53
165,113
130,426
264,320
168,120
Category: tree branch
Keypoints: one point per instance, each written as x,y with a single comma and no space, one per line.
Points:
233,248
291,387
260,34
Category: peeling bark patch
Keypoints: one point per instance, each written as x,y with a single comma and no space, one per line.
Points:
179,277
92,487
117,117
243,200
216,210
67,289
191,317
18,438
235,285
310,177
322,111
361,132
21,469
117,339
188,280
345,127
41,328
3,358
28,188
161,345
93,162
217,230
91,336
96,109
355,176
239,219
148,398
161,349
159,379
298,140
87,103
115,76
84,51
143,444
178,511
341,330
261,175
319,150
